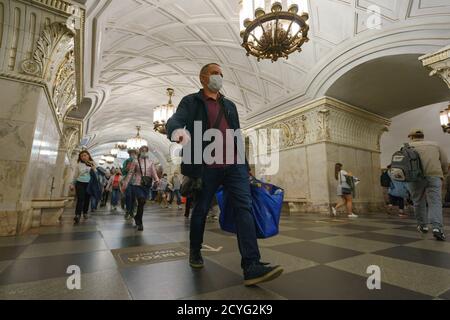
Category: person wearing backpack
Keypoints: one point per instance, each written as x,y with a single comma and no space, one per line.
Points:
427,189
398,192
344,190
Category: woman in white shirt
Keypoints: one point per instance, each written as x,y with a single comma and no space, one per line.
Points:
344,191
80,183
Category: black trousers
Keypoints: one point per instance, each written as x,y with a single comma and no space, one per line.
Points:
187,210
397,201
82,198
105,196
142,196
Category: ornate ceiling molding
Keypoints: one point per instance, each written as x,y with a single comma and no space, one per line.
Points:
327,120
439,63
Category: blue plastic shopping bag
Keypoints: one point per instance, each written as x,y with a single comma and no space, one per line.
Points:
267,202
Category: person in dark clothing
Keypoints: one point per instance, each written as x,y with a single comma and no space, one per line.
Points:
209,109
187,209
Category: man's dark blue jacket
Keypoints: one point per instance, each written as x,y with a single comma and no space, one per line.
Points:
193,108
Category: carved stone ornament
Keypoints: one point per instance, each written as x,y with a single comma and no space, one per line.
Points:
55,39
31,67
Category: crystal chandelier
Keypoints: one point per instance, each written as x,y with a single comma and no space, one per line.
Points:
269,32
163,113
122,145
115,151
136,142
445,120
109,159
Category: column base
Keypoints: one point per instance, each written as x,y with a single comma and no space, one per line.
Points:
292,208
14,223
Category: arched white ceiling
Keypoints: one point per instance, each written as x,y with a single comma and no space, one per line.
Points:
146,46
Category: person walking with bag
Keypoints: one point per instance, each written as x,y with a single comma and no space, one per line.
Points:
80,183
344,190
428,190
142,173
130,198
209,109
113,186
176,183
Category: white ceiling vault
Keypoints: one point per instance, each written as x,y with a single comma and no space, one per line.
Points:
145,46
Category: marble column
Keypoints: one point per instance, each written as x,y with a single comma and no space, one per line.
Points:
59,182
313,138
439,63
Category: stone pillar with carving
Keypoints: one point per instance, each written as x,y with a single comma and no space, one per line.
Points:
439,63
40,83
313,138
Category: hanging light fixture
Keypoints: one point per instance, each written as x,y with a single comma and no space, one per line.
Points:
163,113
109,158
136,142
115,151
445,120
273,29
122,145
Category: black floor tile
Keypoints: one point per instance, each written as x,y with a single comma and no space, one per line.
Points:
358,227
11,253
135,241
221,232
383,237
410,228
34,269
316,252
176,280
167,229
404,222
423,256
307,234
326,283
57,237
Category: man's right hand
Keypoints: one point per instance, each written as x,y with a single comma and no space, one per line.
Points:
181,136
72,188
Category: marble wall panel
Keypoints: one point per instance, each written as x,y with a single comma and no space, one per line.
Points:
42,168
11,180
292,174
19,101
15,140
317,171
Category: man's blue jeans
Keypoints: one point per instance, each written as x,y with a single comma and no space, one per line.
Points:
235,180
115,197
130,199
175,193
427,191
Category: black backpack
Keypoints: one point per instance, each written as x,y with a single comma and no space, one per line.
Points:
406,165
385,180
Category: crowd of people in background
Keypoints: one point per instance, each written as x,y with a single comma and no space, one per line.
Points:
123,187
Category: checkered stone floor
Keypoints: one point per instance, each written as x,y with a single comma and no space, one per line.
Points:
323,258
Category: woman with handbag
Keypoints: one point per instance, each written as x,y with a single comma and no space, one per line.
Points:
144,172
344,190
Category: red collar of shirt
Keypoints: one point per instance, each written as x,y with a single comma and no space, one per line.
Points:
206,98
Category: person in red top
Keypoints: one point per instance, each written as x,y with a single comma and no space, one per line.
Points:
113,186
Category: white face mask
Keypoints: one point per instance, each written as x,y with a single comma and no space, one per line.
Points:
215,83
134,156
144,154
